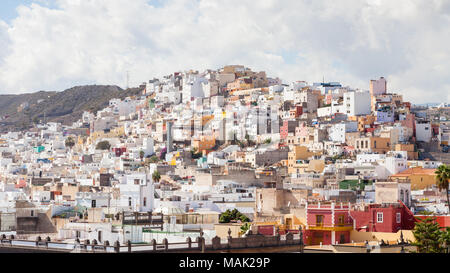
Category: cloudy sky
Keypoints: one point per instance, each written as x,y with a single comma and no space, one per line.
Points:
57,44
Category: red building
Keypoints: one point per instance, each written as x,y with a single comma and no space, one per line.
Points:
383,218
442,220
328,224
296,111
119,151
332,223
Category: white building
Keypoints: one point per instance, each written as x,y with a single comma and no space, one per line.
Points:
357,103
137,193
397,162
147,146
423,131
337,131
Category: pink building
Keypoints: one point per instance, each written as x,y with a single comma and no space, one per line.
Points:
328,224
378,87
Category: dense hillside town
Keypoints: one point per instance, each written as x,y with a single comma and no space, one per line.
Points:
228,152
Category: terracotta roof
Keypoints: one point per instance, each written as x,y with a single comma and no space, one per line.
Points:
416,171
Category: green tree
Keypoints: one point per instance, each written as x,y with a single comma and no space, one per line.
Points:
70,142
445,240
141,155
428,236
103,145
233,215
245,227
268,141
442,178
154,159
156,176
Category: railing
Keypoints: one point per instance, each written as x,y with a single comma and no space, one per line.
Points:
197,245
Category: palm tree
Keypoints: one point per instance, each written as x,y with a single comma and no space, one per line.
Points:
442,178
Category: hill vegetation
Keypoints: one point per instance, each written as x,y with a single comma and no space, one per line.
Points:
20,112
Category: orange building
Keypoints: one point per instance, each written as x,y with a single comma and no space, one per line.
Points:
365,122
204,143
420,178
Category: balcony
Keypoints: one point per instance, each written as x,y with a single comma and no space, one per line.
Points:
338,227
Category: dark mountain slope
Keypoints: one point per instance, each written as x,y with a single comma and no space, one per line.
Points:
18,112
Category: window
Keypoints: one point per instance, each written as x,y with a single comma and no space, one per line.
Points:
94,203
341,219
32,213
375,144
136,182
379,217
399,217
129,201
145,201
319,220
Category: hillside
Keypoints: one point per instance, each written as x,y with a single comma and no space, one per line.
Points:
18,112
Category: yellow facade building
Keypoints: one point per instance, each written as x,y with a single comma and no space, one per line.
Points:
420,178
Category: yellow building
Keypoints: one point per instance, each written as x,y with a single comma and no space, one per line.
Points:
409,148
296,158
420,178
380,145
316,166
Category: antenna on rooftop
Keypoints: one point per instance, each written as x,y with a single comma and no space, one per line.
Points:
128,79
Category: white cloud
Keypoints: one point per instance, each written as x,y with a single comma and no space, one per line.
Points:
352,41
